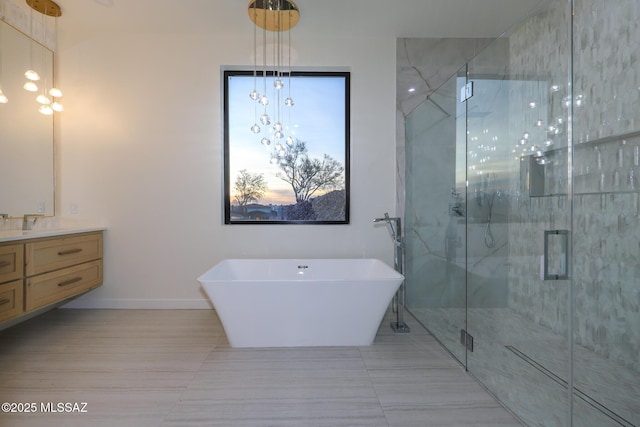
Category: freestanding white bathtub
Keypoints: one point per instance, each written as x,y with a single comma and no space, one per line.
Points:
300,302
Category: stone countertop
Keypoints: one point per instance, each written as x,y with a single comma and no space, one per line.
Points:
48,227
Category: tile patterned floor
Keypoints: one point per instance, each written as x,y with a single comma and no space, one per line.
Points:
609,392
175,368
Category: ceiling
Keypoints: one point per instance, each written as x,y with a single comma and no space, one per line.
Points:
396,18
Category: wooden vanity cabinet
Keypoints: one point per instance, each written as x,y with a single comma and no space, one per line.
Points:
11,300
43,271
11,272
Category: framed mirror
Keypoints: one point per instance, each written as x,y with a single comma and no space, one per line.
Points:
26,135
286,162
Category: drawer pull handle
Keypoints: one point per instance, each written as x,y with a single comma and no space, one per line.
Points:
70,281
4,263
5,301
70,251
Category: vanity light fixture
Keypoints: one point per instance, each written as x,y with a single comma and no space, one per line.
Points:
276,16
48,106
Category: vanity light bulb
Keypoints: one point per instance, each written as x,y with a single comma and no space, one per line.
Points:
31,75
55,92
42,99
56,106
30,86
46,110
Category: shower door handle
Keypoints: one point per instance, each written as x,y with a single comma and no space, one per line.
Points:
558,242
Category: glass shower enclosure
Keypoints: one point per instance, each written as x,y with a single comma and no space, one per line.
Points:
523,215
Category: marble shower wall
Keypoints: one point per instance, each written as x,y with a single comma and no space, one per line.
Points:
539,54
607,203
606,163
424,65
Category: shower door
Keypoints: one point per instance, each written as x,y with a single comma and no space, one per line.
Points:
519,218
435,223
523,215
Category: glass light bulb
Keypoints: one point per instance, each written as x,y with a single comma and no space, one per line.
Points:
31,75
289,140
278,147
288,102
3,98
279,135
265,141
56,106
46,110
255,128
254,95
265,120
264,100
278,83
30,86
277,126
43,99
273,160
55,92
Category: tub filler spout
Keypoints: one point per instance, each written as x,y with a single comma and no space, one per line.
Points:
394,225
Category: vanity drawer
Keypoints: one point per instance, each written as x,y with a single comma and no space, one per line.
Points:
11,262
58,285
53,254
11,300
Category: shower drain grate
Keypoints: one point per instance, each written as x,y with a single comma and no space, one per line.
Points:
577,392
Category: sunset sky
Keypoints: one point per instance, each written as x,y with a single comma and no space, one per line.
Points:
317,117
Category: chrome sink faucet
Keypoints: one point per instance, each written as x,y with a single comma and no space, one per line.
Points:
28,223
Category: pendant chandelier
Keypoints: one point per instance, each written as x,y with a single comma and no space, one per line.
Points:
277,17
49,100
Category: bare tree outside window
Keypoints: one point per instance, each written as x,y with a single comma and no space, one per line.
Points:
248,188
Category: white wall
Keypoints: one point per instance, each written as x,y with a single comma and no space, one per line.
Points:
140,148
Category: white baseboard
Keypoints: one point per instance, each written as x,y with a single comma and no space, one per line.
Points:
150,304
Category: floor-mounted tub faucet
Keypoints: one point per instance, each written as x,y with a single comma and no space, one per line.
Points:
395,230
